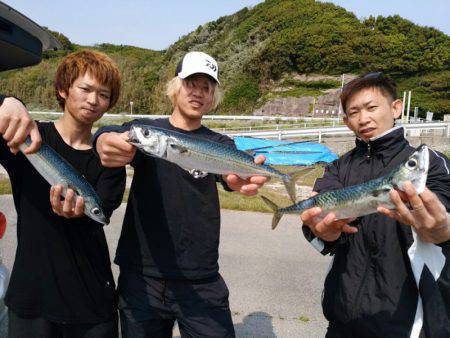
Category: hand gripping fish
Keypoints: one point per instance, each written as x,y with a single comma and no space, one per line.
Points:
200,156
363,199
56,170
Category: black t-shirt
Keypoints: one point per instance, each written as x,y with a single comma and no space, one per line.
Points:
172,223
62,269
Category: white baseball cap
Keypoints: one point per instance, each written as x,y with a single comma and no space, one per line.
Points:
197,62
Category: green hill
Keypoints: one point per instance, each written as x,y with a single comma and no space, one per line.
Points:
261,49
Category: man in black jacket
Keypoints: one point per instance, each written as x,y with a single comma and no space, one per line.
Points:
390,273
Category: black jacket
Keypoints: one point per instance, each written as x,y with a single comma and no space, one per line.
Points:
372,289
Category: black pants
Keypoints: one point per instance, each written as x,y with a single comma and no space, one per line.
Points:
39,327
149,307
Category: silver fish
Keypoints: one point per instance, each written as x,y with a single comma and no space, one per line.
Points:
200,156
56,170
363,199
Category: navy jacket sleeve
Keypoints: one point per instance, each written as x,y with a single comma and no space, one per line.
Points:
438,180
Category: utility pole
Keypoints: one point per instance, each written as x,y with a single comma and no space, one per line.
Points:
339,100
409,105
403,107
314,105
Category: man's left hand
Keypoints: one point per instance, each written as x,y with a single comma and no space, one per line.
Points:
426,214
248,186
71,207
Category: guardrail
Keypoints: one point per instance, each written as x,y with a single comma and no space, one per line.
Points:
416,128
213,117
413,129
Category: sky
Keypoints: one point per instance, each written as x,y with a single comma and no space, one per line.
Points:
156,24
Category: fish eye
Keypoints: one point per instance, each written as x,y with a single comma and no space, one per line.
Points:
146,133
412,163
95,211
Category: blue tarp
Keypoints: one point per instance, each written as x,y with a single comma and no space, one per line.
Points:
287,152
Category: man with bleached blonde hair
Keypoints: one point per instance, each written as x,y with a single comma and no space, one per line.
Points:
168,249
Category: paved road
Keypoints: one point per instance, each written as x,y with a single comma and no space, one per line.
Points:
275,277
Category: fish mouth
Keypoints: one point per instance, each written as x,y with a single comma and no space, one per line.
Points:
132,137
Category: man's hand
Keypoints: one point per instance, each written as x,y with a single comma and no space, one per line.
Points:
71,207
114,149
328,228
427,213
249,186
16,124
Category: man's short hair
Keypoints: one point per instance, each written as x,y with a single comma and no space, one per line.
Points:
97,64
384,84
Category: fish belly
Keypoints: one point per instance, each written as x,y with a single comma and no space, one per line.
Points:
363,206
210,164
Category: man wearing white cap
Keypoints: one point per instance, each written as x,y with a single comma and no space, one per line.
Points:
168,249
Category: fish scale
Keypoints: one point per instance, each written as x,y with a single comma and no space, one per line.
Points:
200,156
365,198
57,171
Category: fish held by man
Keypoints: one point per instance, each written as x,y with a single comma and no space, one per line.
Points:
365,198
57,171
200,156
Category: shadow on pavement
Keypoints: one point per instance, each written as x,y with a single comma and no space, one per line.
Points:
255,324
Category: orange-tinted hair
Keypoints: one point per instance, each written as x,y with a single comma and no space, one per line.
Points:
97,64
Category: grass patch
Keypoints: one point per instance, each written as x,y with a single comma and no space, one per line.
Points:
5,187
303,319
237,201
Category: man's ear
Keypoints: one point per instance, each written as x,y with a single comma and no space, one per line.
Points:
345,119
62,94
397,107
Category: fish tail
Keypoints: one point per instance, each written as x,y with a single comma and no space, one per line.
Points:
291,179
276,211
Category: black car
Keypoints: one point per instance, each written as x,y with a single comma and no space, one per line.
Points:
22,40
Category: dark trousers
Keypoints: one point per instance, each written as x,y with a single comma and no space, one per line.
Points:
149,307
20,327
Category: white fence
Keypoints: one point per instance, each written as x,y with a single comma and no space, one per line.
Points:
415,129
213,117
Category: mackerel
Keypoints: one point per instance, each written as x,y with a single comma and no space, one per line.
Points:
363,199
57,171
200,156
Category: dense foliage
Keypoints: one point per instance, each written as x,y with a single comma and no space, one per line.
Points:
259,48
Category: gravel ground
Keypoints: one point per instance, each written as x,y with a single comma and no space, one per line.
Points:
275,277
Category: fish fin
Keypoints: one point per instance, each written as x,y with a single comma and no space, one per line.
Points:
276,213
178,148
196,173
291,179
378,192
